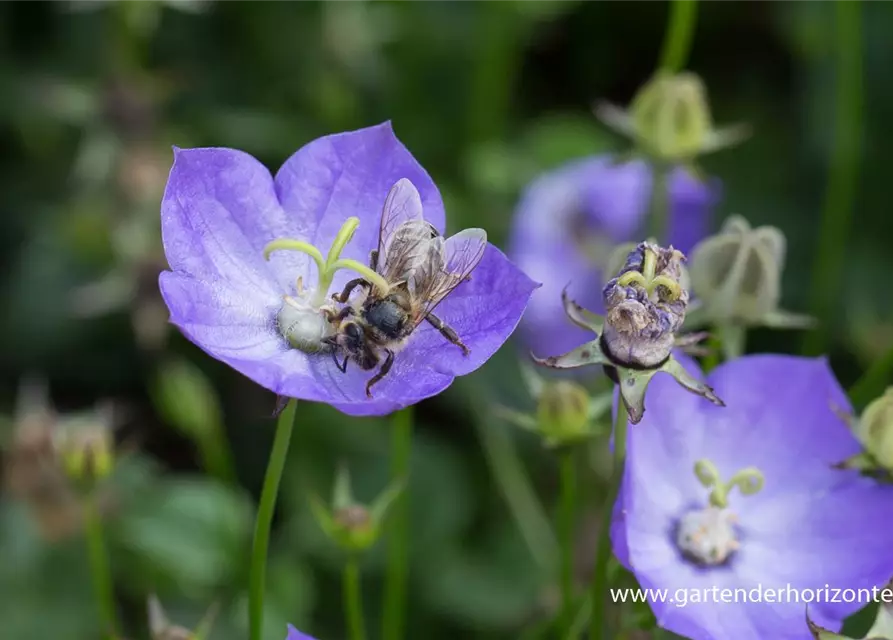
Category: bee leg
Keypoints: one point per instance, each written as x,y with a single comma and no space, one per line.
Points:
341,315
348,289
373,260
389,360
447,331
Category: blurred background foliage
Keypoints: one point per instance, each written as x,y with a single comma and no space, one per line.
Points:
486,95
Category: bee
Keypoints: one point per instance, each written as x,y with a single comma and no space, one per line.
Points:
421,267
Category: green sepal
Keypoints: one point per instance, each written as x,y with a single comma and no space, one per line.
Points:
634,382
161,628
351,526
587,354
881,629
581,317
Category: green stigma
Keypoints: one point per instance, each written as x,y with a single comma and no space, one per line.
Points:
748,481
647,278
327,267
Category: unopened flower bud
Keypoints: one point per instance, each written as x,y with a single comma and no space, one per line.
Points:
874,429
669,118
86,447
645,306
736,276
563,411
877,429
352,526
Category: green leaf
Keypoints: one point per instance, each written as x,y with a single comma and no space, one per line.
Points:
189,534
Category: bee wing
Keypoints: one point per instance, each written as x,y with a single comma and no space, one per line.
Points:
449,264
402,205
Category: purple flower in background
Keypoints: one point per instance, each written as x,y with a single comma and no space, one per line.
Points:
567,224
262,311
294,634
745,498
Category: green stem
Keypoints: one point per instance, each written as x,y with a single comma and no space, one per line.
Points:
659,213
567,464
843,179
873,382
598,627
680,31
353,603
265,510
514,483
496,42
398,540
99,567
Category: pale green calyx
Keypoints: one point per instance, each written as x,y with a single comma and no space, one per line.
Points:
874,431
669,119
352,526
736,278
304,320
748,481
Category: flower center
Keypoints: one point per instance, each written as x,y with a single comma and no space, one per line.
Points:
305,320
648,280
708,535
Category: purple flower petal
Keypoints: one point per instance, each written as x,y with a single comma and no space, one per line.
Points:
350,174
810,526
569,219
218,212
294,634
221,209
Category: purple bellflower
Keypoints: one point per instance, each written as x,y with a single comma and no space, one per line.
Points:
720,504
294,634
235,293
570,219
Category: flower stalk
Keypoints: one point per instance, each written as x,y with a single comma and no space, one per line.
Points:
567,513
353,604
680,32
99,567
265,510
393,619
598,627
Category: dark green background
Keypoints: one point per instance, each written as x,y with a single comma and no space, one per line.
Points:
486,95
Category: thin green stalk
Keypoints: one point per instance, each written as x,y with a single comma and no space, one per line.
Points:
496,40
837,213
567,463
680,32
514,483
873,382
659,208
393,620
265,510
598,627
353,603
99,567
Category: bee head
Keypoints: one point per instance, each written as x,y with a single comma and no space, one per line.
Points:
349,337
